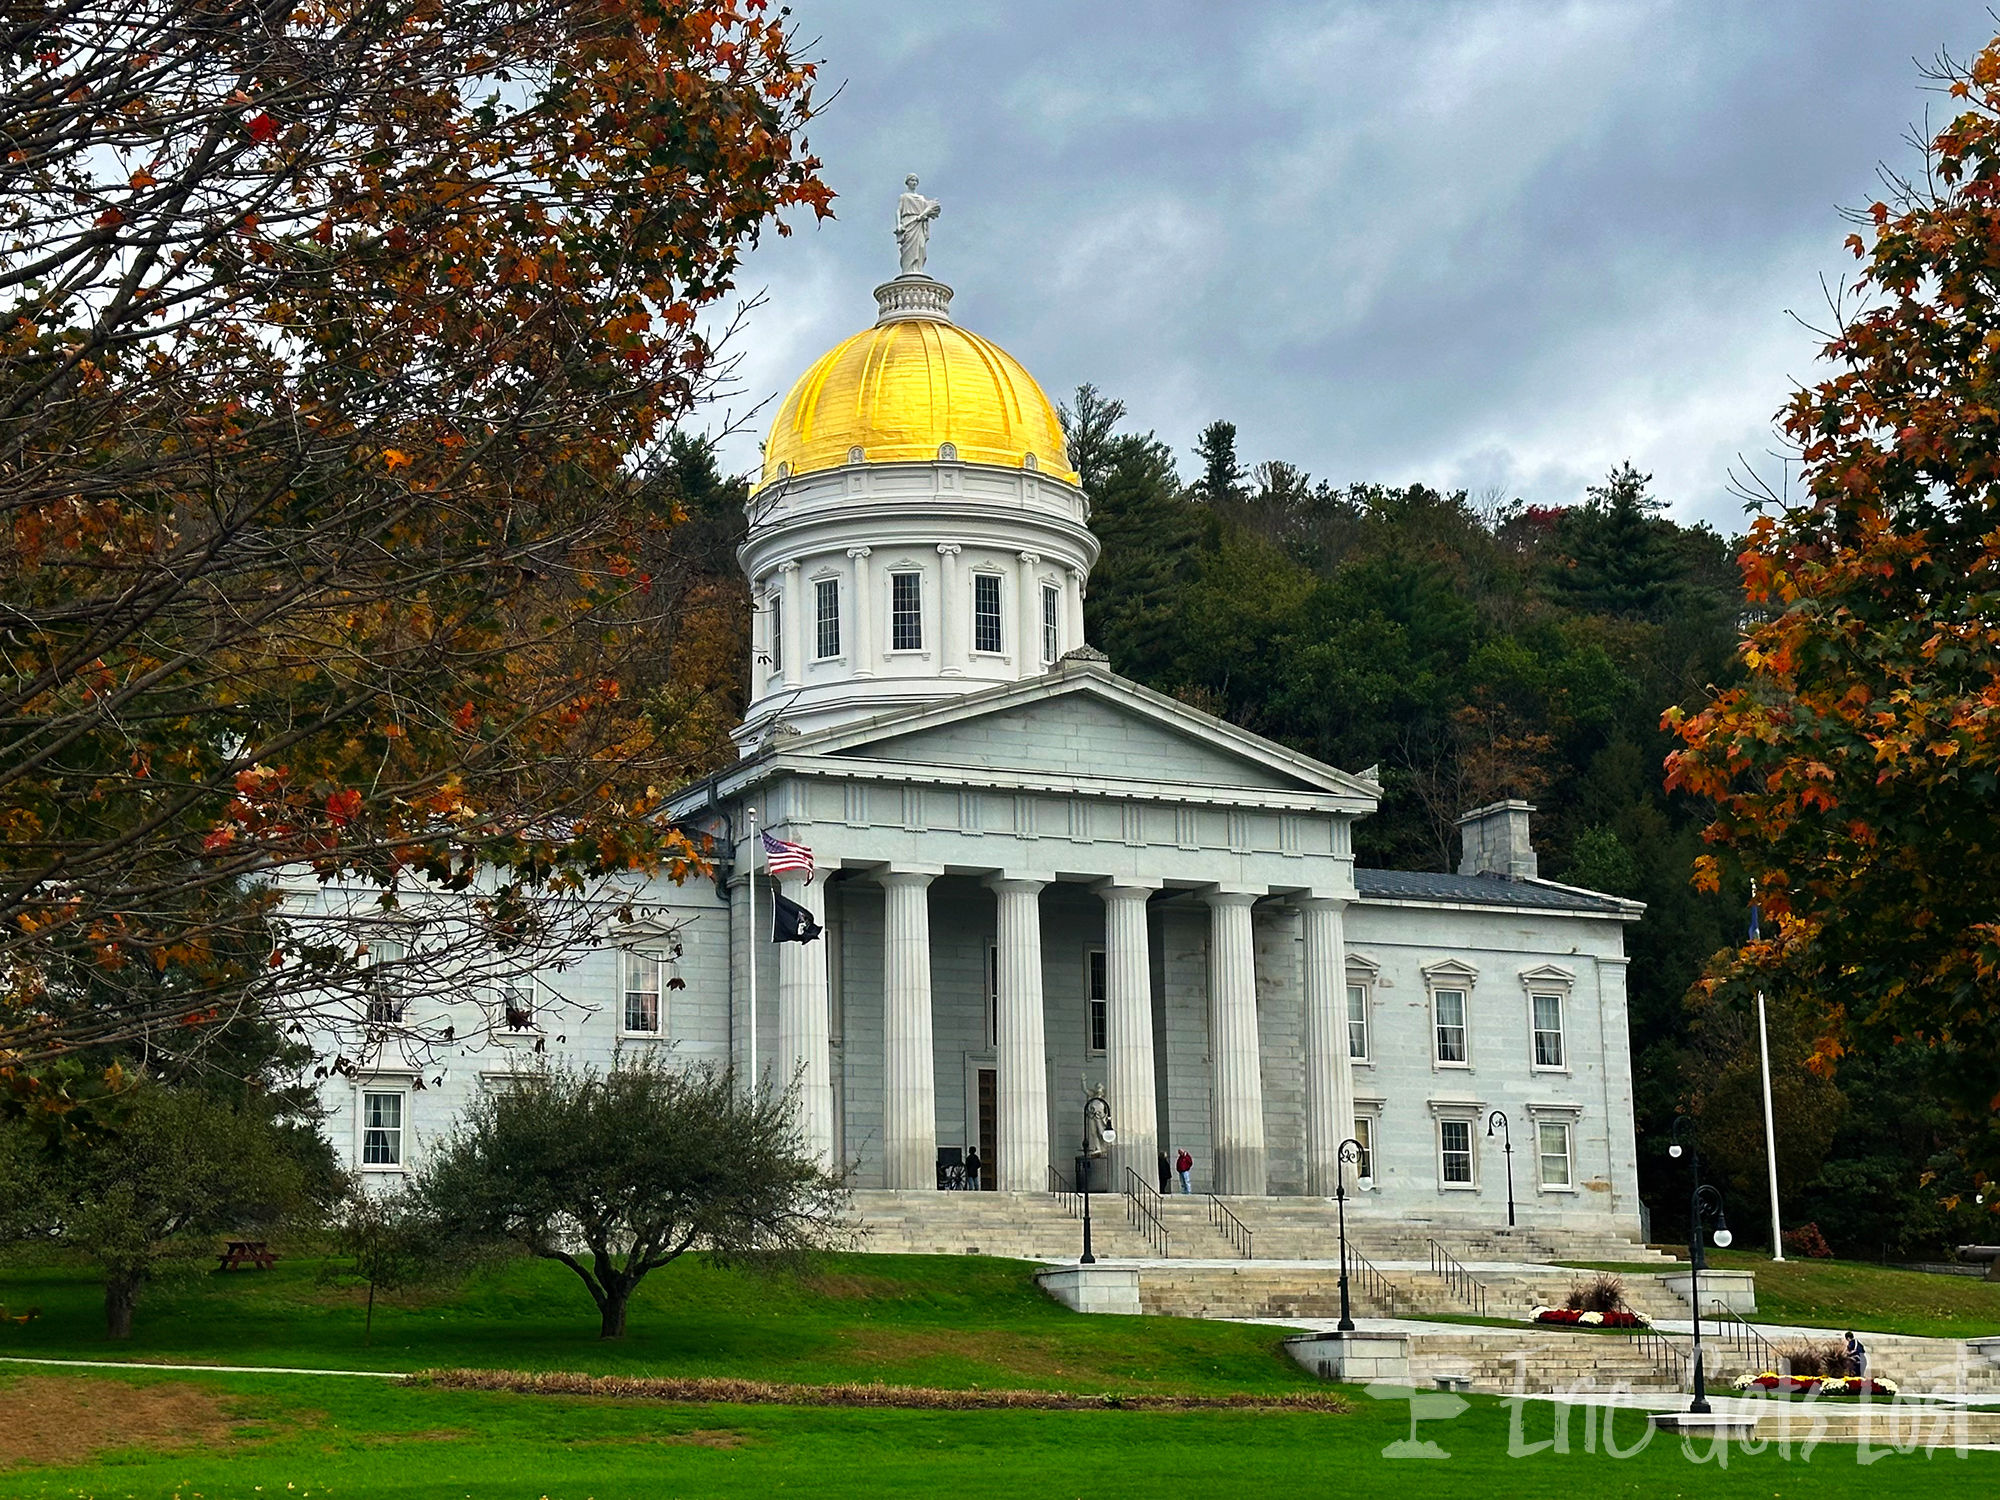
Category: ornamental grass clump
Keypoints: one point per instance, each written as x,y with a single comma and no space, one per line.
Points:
1603,1293
1813,1357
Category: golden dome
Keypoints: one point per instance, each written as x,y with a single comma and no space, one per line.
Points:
903,389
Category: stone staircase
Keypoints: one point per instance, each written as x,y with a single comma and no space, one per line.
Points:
1033,1226
1499,1360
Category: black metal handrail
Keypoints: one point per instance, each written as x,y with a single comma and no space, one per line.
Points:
1233,1229
1142,1212
1462,1283
1739,1334
1376,1287
1668,1357
1070,1199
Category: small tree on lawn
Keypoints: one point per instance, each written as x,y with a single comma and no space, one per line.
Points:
146,1199
389,1242
616,1174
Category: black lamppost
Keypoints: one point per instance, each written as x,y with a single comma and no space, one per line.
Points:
1704,1202
1499,1117
1350,1151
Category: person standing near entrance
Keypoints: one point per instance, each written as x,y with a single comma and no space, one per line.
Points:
1184,1164
972,1168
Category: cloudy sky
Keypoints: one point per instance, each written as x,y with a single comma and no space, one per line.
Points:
1486,245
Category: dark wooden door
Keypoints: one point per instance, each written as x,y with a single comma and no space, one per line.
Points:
989,1125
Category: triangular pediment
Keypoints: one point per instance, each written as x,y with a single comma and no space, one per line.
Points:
1087,723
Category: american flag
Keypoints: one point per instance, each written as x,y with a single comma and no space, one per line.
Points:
781,857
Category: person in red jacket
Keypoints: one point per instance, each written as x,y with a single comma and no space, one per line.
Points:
1184,1164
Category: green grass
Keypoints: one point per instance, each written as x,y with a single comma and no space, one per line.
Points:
1855,1294
1868,1298
952,1321
301,1439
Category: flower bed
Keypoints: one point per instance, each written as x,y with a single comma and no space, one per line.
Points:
1817,1385
1570,1317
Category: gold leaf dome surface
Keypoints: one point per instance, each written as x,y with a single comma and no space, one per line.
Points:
901,390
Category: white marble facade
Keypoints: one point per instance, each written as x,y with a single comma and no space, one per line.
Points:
1035,874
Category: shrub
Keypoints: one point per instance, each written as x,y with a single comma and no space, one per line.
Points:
1813,1357
1603,1293
1806,1240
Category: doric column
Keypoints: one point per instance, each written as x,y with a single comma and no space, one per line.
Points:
1022,1055
804,1006
1028,645
950,651
1232,1044
794,595
1073,610
1329,1067
909,1080
1128,1025
865,648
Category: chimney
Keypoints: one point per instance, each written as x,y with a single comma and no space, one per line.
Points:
1494,841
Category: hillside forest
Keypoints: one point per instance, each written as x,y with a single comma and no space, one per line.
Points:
1471,650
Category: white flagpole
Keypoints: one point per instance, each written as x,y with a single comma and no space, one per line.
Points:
751,943
1770,1132
1770,1128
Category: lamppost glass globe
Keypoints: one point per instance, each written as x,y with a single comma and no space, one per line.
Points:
1674,1152
1723,1239
1110,1134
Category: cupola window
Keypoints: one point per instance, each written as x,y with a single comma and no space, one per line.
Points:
906,611
826,623
948,453
986,613
1051,624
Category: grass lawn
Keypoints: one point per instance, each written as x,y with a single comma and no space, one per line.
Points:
241,1437
951,1321
1869,1298
1858,1295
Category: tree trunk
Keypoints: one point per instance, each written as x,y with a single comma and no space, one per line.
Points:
120,1292
613,1309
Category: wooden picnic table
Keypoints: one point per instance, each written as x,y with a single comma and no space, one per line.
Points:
257,1252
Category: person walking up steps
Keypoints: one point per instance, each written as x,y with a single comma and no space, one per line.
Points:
1184,1164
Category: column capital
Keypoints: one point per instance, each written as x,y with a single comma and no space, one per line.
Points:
1030,558
1125,886
1315,901
789,565
948,549
1019,882
859,551
1231,895
906,875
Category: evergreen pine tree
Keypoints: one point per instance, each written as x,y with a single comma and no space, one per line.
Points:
1222,476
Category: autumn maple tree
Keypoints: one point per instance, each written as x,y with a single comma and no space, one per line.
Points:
339,346
1855,772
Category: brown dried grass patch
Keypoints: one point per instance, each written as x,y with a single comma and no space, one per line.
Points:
699,1390
64,1419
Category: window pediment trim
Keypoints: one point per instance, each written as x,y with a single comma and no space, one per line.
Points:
1455,1108
1548,977
1362,964
1448,972
1570,1112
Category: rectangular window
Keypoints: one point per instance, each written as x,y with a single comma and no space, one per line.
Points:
517,1003
1095,979
1357,1022
385,984
1051,625
826,623
1450,1008
986,612
777,633
1455,1152
1548,1031
1553,1138
642,993
381,1130
906,611
1364,1134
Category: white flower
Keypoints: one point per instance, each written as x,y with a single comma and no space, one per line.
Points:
1888,1385
1592,1318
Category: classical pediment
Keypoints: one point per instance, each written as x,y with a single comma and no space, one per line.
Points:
1087,723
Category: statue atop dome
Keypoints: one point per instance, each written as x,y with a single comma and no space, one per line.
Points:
914,213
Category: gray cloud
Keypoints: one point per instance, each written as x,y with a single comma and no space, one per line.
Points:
1502,244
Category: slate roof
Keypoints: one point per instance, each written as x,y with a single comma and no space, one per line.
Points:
1478,890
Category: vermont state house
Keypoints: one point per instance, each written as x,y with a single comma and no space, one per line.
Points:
1035,874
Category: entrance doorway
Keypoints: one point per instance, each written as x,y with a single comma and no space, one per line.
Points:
988,1091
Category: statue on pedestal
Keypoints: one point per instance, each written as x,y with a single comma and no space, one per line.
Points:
914,213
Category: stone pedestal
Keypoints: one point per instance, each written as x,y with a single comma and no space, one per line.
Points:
1735,1290
1354,1358
1092,1289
